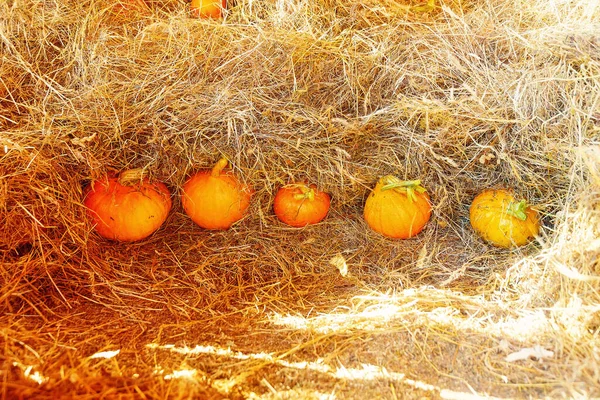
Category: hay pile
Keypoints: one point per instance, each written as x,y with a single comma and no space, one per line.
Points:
465,96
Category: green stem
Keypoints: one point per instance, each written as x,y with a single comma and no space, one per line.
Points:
409,188
219,166
307,193
518,210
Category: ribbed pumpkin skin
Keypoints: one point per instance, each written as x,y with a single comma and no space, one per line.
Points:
215,202
127,213
300,212
207,8
394,215
490,220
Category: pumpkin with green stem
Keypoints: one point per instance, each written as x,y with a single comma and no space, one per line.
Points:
127,207
214,198
299,204
502,220
397,209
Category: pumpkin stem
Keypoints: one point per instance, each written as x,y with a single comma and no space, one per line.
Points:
132,176
409,188
219,166
517,210
307,193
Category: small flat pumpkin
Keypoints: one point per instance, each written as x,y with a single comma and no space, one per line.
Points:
503,221
127,207
397,209
299,204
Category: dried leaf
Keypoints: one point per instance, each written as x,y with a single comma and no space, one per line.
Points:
339,262
537,352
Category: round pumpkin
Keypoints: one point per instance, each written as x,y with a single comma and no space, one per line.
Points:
502,220
127,207
299,204
397,209
207,8
215,199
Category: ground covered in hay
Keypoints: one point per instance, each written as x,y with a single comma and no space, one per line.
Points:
463,95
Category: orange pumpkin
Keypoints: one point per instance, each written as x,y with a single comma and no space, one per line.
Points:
127,207
502,220
397,209
207,8
299,204
215,199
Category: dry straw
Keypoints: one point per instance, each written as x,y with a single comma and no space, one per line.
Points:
462,95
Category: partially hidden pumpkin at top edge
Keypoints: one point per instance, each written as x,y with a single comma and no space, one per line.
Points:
128,207
207,8
214,198
397,209
299,204
503,221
